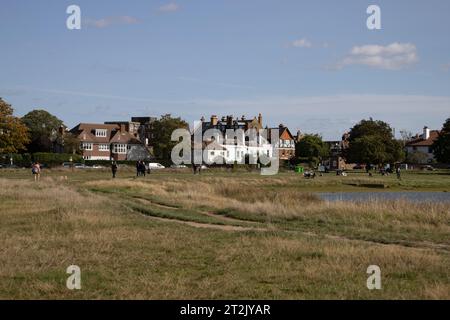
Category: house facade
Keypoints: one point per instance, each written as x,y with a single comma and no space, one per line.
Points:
110,141
286,143
220,148
422,145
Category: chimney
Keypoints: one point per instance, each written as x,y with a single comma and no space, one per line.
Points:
214,120
202,119
260,119
426,133
122,128
243,118
229,121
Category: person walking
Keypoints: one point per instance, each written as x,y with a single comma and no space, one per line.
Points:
36,170
397,170
138,168
114,169
142,168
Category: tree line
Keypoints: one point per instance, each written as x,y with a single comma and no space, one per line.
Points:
369,141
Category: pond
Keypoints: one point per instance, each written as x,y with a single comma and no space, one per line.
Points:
382,196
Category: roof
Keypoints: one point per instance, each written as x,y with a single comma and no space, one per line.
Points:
420,142
124,137
86,133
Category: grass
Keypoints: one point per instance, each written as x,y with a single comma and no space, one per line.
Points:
131,239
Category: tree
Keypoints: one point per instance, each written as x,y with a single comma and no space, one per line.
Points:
43,128
71,143
161,133
13,133
441,146
312,148
372,142
416,157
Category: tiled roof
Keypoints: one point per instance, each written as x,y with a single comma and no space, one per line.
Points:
86,133
422,142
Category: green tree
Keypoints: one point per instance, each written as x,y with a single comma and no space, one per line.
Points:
43,128
441,146
13,133
372,142
312,148
161,133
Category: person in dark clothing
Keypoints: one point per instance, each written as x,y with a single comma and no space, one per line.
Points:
142,168
138,168
114,169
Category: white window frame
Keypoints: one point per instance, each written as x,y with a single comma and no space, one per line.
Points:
101,133
120,148
88,146
103,147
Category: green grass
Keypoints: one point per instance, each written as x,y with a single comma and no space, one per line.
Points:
130,238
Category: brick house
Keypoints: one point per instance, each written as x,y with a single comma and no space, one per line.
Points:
110,141
286,144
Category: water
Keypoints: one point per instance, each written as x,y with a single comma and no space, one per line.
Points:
383,196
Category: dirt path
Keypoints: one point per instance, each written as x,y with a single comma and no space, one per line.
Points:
413,245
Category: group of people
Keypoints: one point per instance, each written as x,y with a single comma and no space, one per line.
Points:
140,168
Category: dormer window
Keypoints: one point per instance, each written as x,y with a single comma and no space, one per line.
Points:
100,132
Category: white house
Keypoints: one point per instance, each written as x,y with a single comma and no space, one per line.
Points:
421,144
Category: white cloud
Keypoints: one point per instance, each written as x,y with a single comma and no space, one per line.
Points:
109,21
301,43
170,7
391,57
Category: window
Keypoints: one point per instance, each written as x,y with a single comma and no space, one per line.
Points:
268,153
100,132
87,157
212,153
103,147
86,146
120,148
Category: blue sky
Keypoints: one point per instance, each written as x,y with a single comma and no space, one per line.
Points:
311,65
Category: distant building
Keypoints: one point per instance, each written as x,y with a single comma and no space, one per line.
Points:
225,152
145,130
286,143
422,144
336,161
110,141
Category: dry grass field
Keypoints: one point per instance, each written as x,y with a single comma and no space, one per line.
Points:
216,236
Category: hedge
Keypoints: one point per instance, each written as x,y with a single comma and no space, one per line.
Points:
48,159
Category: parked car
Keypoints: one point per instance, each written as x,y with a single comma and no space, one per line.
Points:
428,167
154,165
67,164
178,166
80,166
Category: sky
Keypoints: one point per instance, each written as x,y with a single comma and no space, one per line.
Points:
313,66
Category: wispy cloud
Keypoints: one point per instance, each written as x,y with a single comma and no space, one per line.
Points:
170,7
301,43
109,21
394,56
